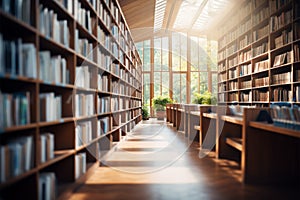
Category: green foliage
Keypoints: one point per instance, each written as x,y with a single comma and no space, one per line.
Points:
205,98
145,112
160,102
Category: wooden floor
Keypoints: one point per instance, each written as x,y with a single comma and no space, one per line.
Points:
157,162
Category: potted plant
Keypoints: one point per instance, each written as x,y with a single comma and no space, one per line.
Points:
159,104
145,112
205,98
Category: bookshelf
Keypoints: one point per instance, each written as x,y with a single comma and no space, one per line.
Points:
258,54
71,86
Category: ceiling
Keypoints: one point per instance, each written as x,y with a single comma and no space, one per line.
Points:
197,17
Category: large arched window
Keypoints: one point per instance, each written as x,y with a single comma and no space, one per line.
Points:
178,65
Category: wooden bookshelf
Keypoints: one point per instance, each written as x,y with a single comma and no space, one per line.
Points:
92,80
250,47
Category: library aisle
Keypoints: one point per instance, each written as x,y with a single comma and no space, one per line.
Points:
157,162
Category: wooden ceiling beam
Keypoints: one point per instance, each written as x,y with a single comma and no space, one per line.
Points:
172,9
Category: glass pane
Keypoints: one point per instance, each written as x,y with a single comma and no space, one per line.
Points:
194,84
165,83
157,84
194,54
202,54
146,88
165,54
183,42
214,83
157,54
213,56
176,52
139,47
146,59
176,87
183,88
203,82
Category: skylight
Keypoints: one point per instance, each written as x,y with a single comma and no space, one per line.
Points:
160,8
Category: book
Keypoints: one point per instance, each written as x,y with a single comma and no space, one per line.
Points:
50,107
80,164
47,186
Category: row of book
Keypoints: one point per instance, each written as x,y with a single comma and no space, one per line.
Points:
276,22
259,95
104,125
232,49
14,109
233,85
83,46
261,15
285,38
104,15
83,77
260,49
21,9
222,77
103,83
282,94
263,81
222,97
51,27
114,104
233,97
296,52
245,69
16,157
221,67
104,61
80,164
47,186
115,87
222,87
297,75
17,58
245,56
84,105
50,107
83,16
245,41
283,59
282,78
297,93
83,133
246,84
257,34
246,97
261,66
47,146
233,73
233,62
277,4
53,68
104,104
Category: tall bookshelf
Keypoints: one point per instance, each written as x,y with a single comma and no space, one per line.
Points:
258,54
71,87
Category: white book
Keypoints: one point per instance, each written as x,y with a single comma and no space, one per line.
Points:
17,110
26,11
29,153
70,6
50,146
42,24
63,71
19,67
29,56
8,102
45,62
43,139
2,164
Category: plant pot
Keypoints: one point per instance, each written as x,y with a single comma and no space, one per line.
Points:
160,115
